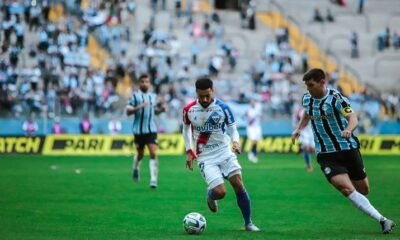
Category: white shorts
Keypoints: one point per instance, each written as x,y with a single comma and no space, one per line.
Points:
307,139
216,170
254,133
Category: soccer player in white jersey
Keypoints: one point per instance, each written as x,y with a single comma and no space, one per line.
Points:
306,138
205,124
253,129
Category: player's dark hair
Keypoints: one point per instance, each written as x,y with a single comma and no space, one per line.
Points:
204,83
144,75
315,74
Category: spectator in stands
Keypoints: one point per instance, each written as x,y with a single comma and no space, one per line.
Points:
131,7
56,128
317,16
251,15
243,7
51,98
304,61
257,72
178,8
34,97
20,33
114,126
396,40
360,6
341,3
46,9
30,126
380,42
215,17
6,25
85,125
354,45
329,16
34,16
194,49
383,39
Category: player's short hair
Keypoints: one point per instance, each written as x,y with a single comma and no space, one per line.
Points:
204,83
315,74
144,75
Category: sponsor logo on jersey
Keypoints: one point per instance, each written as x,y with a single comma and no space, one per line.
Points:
215,117
208,127
211,146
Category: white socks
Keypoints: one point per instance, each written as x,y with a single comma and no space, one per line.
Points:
136,163
362,203
153,170
153,165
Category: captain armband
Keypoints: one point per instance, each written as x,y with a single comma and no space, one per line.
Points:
347,110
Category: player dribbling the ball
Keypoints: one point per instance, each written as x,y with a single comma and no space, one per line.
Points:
205,122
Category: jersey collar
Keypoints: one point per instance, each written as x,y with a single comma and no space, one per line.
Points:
212,104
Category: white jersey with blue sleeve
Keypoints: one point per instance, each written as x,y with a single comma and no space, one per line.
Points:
209,129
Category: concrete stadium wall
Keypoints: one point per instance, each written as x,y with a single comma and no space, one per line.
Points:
100,126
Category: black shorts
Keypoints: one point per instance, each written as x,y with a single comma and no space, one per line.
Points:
348,161
142,140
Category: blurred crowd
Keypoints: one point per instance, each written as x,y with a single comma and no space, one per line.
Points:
45,64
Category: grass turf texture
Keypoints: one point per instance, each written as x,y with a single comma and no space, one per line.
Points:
102,202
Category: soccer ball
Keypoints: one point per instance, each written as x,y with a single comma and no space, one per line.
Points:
194,223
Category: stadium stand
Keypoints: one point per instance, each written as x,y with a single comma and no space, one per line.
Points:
86,58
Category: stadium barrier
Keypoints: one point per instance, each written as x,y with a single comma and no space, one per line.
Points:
21,145
169,144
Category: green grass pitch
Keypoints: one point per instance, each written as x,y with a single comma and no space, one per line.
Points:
44,198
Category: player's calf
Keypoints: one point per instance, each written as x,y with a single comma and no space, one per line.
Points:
136,175
212,204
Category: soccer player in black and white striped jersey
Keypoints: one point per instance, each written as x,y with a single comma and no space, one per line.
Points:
333,122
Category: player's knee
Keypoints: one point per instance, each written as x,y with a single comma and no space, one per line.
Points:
346,191
219,193
364,190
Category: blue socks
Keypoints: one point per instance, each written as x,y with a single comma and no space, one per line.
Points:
307,159
210,194
243,202
254,149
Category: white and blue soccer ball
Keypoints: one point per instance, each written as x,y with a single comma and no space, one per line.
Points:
194,223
